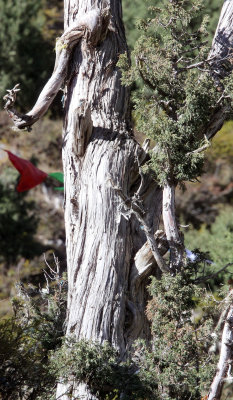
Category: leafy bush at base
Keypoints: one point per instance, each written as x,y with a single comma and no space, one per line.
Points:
26,340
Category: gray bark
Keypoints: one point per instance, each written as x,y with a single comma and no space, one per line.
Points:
174,236
224,367
105,300
222,45
221,53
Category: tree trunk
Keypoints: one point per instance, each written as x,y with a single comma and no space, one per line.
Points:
98,149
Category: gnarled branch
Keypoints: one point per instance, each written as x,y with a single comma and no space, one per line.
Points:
225,360
92,27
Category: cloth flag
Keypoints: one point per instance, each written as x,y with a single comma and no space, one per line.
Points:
31,176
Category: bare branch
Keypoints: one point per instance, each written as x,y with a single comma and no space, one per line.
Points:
174,236
200,149
225,359
136,208
208,277
92,27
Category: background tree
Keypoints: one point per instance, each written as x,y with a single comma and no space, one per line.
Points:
20,35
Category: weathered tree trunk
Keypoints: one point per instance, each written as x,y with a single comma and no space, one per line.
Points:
221,55
98,148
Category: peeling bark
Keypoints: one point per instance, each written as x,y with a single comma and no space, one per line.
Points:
222,64
222,45
92,28
173,235
106,284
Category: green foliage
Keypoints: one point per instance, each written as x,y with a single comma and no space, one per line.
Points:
177,98
98,366
18,223
222,146
180,361
217,240
213,8
138,10
26,57
27,338
131,13
177,366
22,362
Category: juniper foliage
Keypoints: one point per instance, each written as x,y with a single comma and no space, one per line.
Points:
26,338
179,93
177,365
98,366
183,317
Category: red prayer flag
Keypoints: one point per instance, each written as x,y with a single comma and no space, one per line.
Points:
30,175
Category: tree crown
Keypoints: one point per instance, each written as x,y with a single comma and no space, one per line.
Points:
179,93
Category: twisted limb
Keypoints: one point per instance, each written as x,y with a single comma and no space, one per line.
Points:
92,27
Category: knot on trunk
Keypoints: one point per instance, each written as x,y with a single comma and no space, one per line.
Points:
83,127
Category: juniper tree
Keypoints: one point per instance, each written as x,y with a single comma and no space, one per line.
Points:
109,255
176,102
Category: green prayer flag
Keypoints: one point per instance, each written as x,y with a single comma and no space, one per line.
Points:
58,176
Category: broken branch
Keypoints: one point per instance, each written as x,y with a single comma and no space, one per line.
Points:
135,208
